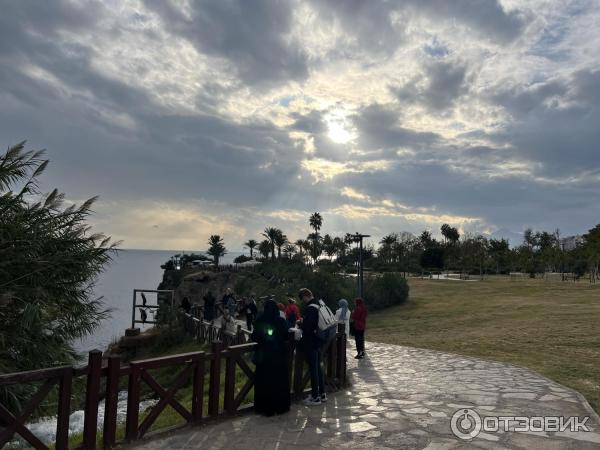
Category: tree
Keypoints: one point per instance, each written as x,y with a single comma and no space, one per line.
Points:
216,248
316,246
315,221
264,248
271,234
280,240
251,244
49,262
426,240
591,249
289,250
451,234
387,244
499,252
328,246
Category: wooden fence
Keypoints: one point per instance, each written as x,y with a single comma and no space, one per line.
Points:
103,379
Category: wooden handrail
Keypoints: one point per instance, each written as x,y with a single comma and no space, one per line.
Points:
192,372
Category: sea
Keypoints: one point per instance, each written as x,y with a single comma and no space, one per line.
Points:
129,270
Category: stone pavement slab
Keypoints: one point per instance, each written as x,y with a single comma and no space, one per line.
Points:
405,398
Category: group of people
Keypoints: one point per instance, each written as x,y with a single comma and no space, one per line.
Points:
272,330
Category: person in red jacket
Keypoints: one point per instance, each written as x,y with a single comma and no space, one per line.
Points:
359,317
292,313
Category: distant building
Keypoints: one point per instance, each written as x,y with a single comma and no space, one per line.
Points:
571,242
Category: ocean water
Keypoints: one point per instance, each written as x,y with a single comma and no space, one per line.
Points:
130,269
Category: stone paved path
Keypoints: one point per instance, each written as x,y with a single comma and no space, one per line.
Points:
404,398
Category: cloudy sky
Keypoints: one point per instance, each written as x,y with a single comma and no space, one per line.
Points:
190,118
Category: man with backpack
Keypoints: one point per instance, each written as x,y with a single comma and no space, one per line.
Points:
317,327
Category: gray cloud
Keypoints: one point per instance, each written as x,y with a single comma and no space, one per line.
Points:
555,123
379,127
368,23
253,36
488,18
442,83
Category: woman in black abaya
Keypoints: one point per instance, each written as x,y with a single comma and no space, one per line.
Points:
271,382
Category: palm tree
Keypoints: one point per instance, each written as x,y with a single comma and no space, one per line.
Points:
315,221
340,246
387,243
49,262
328,246
316,248
264,248
216,248
251,244
289,250
300,245
271,234
280,240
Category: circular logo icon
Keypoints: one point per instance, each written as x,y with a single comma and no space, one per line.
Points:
465,424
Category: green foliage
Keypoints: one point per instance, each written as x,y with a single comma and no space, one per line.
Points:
389,289
241,259
49,260
216,248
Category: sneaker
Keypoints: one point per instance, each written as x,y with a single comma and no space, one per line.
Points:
310,401
358,356
323,398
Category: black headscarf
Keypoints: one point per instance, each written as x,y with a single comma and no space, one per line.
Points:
270,312
270,327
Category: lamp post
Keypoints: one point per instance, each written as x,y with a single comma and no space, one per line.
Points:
359,238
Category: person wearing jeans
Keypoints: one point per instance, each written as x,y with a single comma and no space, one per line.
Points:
311,345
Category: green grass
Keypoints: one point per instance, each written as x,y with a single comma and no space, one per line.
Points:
548,326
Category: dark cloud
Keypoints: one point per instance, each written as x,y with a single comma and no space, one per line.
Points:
369,24
379,127
252,35
440,85
488,18
555,123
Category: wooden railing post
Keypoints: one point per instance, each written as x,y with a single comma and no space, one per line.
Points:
64,409
111,401
342,358
298,372
229,382
92,395
198,388
133,403
215,379
331,360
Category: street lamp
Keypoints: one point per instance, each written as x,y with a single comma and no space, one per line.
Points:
359,238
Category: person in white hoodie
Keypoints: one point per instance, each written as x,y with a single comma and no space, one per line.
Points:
342,315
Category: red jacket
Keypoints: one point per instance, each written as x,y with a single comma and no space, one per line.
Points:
359,316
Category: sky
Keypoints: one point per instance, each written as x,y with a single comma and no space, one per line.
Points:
192,118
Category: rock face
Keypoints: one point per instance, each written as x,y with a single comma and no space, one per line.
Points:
196,284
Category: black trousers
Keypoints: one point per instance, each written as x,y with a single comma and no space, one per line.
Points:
359,337
249,321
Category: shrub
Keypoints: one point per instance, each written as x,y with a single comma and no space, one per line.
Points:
390,289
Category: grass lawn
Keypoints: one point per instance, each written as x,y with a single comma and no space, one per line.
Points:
548,326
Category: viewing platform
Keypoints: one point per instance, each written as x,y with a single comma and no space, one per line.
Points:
402,397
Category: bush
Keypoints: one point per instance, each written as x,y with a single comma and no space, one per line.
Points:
241,259
390,289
